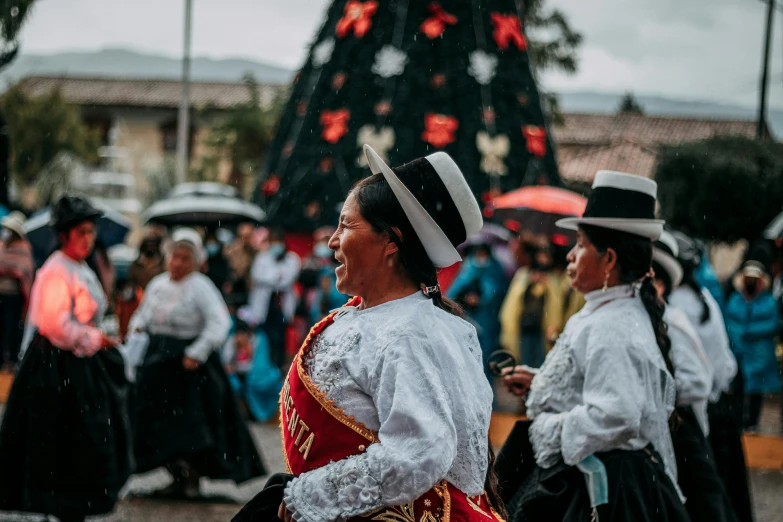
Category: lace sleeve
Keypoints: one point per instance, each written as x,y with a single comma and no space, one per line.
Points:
418,441
545,435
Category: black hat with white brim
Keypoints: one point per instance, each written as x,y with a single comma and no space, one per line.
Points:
437,201
665,252
620,201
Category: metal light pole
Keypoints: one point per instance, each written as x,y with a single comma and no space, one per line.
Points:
765,72
183,120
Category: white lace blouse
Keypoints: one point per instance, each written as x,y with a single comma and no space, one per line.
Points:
189,309
713,337
413,373
604,386
692,368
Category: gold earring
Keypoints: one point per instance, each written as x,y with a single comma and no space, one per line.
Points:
606,282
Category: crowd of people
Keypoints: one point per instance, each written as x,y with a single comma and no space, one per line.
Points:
637,372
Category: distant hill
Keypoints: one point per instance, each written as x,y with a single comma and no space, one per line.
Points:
124,63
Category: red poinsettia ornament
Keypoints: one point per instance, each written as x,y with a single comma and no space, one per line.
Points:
357,16
434,26
335,124
271,186
439,129
536,140
508,30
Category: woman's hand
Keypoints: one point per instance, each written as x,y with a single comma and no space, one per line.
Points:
284,514
190,364
518,380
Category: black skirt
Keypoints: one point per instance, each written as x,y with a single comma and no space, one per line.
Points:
65,439
191,416
707,500
726,441
639,491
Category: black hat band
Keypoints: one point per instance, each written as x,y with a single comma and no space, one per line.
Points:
426,185
616,203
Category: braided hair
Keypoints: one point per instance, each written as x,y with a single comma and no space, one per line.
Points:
634,259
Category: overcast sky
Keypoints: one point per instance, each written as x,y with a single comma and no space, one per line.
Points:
695,49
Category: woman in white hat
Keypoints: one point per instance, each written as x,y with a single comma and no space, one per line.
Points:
187,418
724,431
706,494
601,402
385,412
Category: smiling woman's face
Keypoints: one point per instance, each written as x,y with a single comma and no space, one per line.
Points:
361,251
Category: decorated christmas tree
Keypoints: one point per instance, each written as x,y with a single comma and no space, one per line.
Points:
408,78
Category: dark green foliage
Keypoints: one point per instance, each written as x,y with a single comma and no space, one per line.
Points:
12,15
721,189
629,105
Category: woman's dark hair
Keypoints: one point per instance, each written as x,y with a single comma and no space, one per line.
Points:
379,206
689,280
634,259
663,275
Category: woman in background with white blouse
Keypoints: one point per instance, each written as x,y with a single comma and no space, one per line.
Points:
601,402
186,416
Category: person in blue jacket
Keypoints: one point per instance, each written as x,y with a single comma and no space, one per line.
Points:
753,323
479,288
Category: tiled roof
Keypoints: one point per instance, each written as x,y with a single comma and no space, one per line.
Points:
629,142
606,129
624,156
145,93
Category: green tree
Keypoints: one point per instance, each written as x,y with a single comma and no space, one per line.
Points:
553,46
42,128
721,189
240,135
629,105
13,14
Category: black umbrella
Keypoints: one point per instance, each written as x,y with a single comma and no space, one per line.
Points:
203,204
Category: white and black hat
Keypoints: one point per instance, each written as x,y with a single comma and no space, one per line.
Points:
437,201
620,201
665,253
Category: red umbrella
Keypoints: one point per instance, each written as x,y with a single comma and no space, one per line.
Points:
550,200
537,208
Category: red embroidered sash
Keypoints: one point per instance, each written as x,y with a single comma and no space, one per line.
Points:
317,432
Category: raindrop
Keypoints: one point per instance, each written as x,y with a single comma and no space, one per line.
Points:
14,11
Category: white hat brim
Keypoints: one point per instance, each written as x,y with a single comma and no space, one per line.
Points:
649,228
437,245
672,266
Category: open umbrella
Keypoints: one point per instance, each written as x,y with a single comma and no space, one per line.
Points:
112,229
537,208
775,229
203,204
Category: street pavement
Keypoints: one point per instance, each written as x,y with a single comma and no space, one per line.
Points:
767,493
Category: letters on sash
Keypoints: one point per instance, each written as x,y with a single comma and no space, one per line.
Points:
296,426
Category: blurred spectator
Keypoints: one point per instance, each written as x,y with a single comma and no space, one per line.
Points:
150,262
273,299
321,257
16,279
217,266
240,255
479,287
325,297
319,281
532,313
573,301
706,277
100,263
253,376
753,323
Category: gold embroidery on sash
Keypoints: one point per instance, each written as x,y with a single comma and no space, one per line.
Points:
476,505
